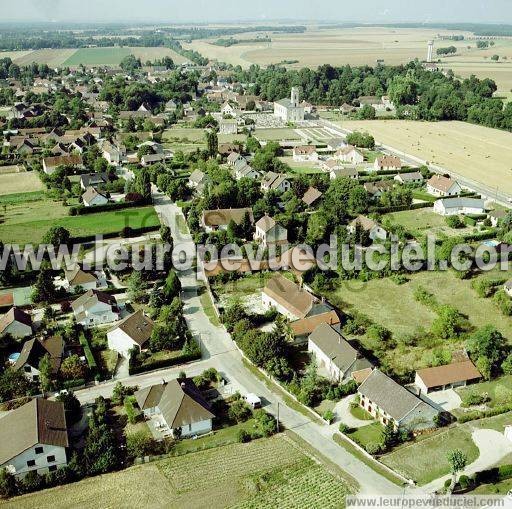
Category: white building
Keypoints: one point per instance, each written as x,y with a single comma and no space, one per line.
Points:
305,153
290,110
95,308
349,154
275,182
177,408
334,353
454,206
375,231
134,330
76,279
269,232
439,185
228,126
34,437
448,376
387,163
94,198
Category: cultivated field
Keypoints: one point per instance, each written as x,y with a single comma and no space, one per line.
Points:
475,152
276,134
264,473
89,56
24,182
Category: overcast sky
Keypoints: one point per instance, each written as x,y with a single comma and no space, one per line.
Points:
370,11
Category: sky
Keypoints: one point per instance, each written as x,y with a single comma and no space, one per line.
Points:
204,11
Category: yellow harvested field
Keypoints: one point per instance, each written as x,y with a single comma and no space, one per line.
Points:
13,55
475,152
152,54
24,182
52,57
315,47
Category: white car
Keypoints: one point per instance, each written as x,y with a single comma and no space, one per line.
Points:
253,400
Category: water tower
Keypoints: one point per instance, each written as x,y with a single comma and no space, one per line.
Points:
430,52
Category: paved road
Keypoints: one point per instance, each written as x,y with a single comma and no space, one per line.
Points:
220,352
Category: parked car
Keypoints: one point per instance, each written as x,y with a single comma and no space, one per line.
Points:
253,400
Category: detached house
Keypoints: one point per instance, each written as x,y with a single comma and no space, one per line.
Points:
94,198
387,163
388,401
305,153
269,232
414,177
439,185
50,164
287,298
34,350
377,189
275,182
93,179
198,180
334,353
134,330
77,278
177,408
34,437
376,232
338,172
17,323
456,205
95,308
311,196
349,154
234,158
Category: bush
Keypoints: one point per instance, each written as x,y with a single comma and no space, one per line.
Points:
504,472
91,361
265,423
464,481
374,448
474,398
328,416
139,444
131,412
239,411
454,222
242,436
344,428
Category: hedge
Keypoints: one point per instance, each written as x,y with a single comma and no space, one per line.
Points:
469,221
494,475
388,172
490,234
163,363
413,206
91,361
70,384
82,210
482,414
133,232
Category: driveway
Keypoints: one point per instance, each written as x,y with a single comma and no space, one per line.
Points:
343,414
443,400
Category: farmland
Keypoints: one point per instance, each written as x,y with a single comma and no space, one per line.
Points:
19,183
89,56
28,222
263,473
474,152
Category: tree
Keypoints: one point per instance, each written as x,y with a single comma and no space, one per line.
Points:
367,112
45,373
72,406
172,287
362,140
56,236
389,435
448,322
44,288
506,365
212,142
130,64
458,461
488,343
403,90
72,368
136,286
142,185
239,411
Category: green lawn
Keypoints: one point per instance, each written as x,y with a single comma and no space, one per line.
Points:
419,222
500,488
499,390
97,56
361,413
208,307
367,434
190,134
17,198
426,460
28,222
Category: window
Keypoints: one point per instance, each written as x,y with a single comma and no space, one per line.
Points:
31,463
50,459
39,450
52,468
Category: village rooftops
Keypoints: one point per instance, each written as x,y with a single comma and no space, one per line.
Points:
310,323
91,297
39,421
266,223
311,196
77,276
34,349
364,222
441,183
